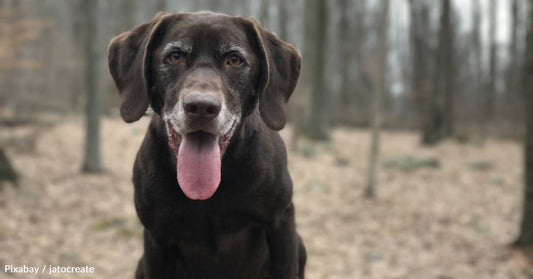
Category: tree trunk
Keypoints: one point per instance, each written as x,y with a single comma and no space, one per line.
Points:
7,171
448,71
377,113
161,5
92,141
525,237
435,125
315,22
476,45
349,47
126,15
283,16
512,105
513,50
446,42
215,5
264,14
419,33
491,86
346,50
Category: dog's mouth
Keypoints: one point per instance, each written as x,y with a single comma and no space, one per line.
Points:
198,156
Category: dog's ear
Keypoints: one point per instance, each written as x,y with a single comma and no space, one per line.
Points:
129,56
280,68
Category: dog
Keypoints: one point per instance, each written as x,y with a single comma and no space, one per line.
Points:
211,184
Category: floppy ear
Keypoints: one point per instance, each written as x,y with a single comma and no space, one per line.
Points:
280,68
128,60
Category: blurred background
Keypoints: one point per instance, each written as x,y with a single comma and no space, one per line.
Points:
410,135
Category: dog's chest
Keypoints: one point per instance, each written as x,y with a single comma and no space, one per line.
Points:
225,251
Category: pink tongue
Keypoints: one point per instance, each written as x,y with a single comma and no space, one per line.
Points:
199,165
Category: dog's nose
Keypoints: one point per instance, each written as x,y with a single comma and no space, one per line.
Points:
201,106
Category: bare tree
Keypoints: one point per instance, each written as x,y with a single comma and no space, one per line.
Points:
315,34
525,237
513,74
346,50
420,53
439,101
350,103
377,113
476,45
491,85
264,14
513,46
127,14
447,43
283,16
215,5
161,5
92,141
7,171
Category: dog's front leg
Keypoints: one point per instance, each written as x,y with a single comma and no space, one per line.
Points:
158,261
283,244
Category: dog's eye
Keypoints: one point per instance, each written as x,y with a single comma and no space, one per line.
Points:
176,57
234,60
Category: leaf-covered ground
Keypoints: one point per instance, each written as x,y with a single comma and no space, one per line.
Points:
444,212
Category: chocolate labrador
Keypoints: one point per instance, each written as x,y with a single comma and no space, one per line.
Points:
212,188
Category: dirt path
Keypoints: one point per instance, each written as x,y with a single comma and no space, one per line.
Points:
453,221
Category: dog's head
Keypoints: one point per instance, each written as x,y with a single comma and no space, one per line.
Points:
203,73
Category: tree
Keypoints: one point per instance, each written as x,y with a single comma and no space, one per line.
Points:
215,5
346,50
420,52
127,14
440,101
283,16
351,104
525,237
448,77
92,142
264,14
476,45
377,113
7,171
314,55
161,5
513,74
513,47
491,85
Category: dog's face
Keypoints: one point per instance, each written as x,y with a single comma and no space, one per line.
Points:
203,73
206,72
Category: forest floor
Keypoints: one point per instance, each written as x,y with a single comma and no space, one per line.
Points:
444,212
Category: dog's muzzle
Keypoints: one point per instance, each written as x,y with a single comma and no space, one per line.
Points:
199,133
